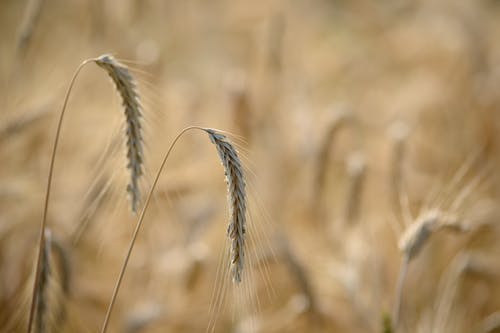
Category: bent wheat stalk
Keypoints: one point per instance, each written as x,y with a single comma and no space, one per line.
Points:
237,200
43,223
125,84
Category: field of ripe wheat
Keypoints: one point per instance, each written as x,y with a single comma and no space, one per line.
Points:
250,166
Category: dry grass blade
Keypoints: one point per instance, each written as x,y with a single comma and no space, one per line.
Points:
237,200
126,86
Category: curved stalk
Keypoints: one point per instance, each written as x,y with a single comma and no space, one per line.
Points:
43,222
138,226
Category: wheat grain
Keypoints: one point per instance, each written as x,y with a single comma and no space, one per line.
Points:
126,86
236,197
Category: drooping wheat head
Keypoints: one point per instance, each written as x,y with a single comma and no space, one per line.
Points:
237,200
126,86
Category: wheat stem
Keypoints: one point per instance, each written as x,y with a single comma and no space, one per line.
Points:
237,200
138,227
43,222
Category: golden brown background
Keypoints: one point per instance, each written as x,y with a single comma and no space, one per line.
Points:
417,81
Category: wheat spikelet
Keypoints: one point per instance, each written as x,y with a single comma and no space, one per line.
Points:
126,86
236,197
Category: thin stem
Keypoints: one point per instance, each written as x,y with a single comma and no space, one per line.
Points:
138,227
399,291
47,195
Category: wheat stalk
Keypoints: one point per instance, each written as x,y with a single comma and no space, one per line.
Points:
237,199
43,222
126,86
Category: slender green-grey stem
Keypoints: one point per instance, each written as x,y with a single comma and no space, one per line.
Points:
43,222
138,226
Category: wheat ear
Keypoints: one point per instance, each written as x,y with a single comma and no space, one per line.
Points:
126,87
237,199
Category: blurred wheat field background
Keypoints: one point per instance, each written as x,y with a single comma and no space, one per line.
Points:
369,133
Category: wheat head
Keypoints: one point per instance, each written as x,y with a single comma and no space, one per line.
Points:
126,86
236,197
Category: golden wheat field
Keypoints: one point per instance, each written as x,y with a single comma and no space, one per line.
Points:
327,166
